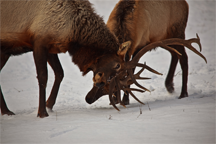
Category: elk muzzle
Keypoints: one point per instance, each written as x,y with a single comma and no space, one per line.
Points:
95,93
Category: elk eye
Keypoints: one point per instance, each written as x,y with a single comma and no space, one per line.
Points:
117,66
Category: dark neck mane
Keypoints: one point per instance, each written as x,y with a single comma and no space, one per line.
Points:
86,54
123,10
91,38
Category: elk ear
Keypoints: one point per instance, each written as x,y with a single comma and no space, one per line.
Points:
124,48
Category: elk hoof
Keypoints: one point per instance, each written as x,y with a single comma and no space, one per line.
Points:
42,114
183,95
10,113
170,87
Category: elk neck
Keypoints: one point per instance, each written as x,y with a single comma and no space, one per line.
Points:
94,42
119,20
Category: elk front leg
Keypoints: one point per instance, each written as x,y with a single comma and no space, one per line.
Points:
40,57
54,62
125,99
3,105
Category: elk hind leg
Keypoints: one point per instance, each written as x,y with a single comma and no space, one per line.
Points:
178,31
3,105
54,62
184,67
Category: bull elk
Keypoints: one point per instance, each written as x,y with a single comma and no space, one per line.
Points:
50,27
147,25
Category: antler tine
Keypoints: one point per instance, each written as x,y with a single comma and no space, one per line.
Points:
195,40
138,73
198,42
135,97
133,89
148,68
170,48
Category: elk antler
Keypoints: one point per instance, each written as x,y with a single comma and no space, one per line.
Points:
125,77
173,41
122,82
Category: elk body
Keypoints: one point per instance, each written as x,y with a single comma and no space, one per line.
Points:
50,27
145,22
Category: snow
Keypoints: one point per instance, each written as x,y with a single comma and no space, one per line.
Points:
164,118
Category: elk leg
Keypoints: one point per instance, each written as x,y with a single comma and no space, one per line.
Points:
115,100
40,57
54,62
169,79
125,99
3,105
184,67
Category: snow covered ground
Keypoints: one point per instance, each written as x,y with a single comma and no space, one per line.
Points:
165,119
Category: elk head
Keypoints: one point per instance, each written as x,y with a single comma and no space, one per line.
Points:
106,67
110,64
122,77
